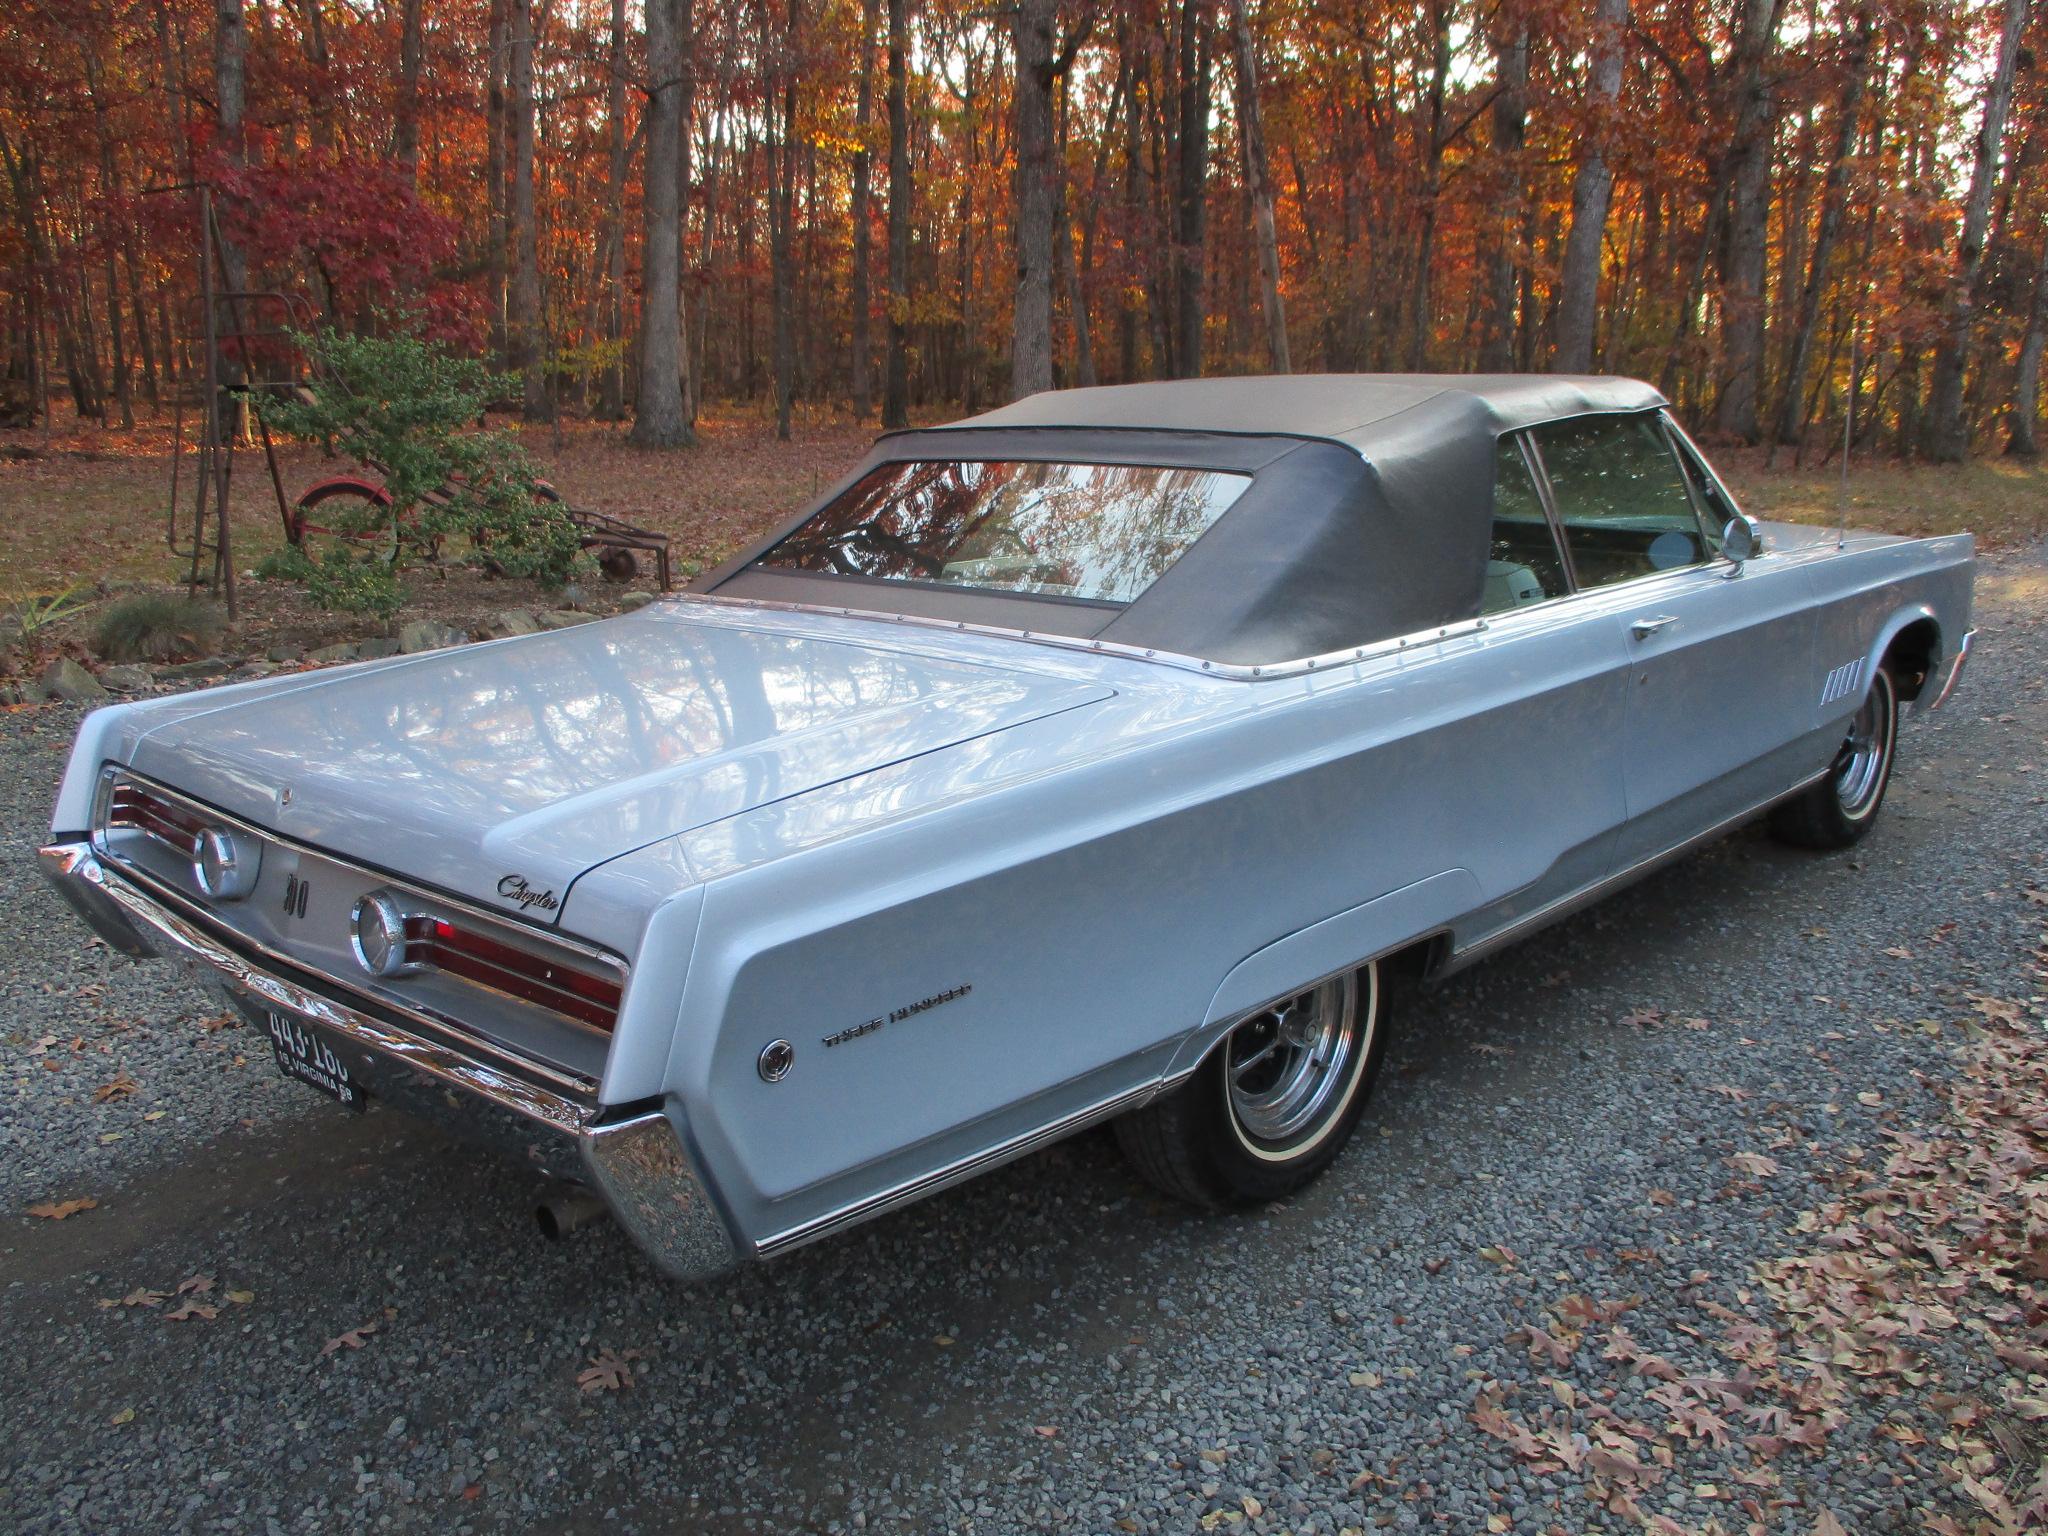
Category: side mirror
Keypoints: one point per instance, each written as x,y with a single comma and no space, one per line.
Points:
1742,539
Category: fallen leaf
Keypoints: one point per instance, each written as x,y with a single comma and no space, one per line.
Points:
1755,1164
1046,1430
195,1284
608,1372
354,1338
125,1416
57,1210
1367,1379
944,1341
192,1307
119,1088
241,1298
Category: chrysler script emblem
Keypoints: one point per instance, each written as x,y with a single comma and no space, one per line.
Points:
515,888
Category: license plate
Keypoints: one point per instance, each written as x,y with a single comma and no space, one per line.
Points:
303,1056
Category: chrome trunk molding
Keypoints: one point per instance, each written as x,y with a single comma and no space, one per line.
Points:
1239,672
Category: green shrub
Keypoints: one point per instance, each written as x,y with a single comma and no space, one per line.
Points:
157,626
346,581
287,562
408,406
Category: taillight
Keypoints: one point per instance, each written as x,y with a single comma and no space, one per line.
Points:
389,942
224,861
134,807
576,993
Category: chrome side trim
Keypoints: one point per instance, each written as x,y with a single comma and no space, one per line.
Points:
1563,906
1955,669
1231,671
638,1164
914,1189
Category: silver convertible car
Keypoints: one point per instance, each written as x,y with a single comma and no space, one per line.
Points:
1110,755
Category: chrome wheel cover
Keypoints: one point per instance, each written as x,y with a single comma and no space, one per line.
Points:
1860,765
1288,1070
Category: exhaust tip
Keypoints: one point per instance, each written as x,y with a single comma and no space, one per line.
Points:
566,1210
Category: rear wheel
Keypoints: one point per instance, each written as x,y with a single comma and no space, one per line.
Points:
1839,809
1274,1102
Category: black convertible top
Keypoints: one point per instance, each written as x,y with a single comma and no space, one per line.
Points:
1369,512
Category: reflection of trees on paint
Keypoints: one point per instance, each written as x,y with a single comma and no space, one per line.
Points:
1099,531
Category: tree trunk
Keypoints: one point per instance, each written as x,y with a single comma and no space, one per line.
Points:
1834,205
320,94
1031,317
1510,134
1191,195
1746,243
1432,134
1258,181
896,375
110,192
862,362
658,418
528,340
1945,434
1592,192
2023,438
405,136
611,383
782,216
230,74
497,262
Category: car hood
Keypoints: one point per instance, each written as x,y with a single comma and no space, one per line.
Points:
493,770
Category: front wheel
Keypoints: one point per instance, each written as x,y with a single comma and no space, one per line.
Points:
1272,1105
1839,809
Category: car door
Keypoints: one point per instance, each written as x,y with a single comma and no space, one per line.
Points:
1719,655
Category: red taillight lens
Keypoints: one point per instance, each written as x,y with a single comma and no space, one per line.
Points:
134,807
575,993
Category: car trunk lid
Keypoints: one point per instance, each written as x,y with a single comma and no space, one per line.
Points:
502,772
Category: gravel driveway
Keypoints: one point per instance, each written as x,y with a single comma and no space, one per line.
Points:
1606,1128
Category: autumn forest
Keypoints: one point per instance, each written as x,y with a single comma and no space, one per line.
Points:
1780,211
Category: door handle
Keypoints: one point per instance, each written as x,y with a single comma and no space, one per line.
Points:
1642,629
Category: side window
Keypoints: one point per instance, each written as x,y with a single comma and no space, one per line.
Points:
1623,501
1716,510
1522,565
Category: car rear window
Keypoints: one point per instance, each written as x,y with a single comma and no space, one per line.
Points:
1094,532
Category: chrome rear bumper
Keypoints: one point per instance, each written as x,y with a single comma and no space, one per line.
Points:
636,1162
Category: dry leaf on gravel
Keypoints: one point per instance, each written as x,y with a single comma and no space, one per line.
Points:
608,1372
119,1088
191,1308
58,1210
353,1338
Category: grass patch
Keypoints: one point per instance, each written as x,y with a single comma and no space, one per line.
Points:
2001,500
155,626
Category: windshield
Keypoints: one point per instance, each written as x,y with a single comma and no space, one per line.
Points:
1098,532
